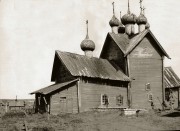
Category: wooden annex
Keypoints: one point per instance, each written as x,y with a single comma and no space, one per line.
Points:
172,86
129,72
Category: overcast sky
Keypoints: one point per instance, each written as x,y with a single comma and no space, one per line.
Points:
31,31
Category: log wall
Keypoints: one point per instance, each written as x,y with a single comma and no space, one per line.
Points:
91,95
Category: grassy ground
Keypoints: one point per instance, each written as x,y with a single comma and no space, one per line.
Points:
95,121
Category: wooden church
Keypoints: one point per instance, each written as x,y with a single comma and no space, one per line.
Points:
128,74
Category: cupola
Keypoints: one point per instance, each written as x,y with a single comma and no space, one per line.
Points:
129,20
114,22
87,45
141,20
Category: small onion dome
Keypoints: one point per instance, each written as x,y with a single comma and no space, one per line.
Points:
114,21
121,28
147,26
141,19
87,44
129,19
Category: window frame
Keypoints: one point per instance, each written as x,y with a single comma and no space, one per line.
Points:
103,100
119,100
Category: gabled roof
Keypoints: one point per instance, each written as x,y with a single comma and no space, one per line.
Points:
170,78
53,87
80,65
127,44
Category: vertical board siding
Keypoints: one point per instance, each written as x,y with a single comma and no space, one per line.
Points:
146,67
114,54
91,95
64,101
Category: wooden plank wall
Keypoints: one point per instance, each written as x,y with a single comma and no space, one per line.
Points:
146,67
60,72
91,95
64,101
112,53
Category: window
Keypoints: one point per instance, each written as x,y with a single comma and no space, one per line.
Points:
148,86
150,97
119,100
104,100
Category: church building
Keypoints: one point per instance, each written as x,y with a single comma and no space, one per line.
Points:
128,74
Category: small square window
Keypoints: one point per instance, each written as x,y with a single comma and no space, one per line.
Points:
148,86
104,99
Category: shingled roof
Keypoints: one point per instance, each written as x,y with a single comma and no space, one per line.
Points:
80,65
52,88
127,44
170,78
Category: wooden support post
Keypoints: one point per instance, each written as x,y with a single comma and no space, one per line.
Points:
163,87
39,100
178,98
78,96
45,100
129,85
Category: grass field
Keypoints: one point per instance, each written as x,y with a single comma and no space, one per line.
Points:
94,121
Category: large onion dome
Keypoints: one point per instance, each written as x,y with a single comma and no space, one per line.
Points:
141,19
87,44
129,18
114,21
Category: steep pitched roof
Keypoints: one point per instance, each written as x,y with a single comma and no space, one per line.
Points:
53,87
127,44
80,65
170,78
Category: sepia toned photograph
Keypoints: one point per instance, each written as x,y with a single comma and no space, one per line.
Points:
89,65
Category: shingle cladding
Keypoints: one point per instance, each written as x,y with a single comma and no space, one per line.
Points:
54,87
128,43
80,65
170,78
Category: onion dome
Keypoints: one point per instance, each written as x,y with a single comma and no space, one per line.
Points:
141,19
147,26
129,18
114,21
87,44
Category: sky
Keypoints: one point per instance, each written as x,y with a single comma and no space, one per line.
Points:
31,31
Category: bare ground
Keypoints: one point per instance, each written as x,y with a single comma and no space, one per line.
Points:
96,121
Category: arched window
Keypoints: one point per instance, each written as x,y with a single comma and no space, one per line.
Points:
104,100
119,100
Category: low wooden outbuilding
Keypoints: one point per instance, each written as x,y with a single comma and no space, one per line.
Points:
172,86
82,84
